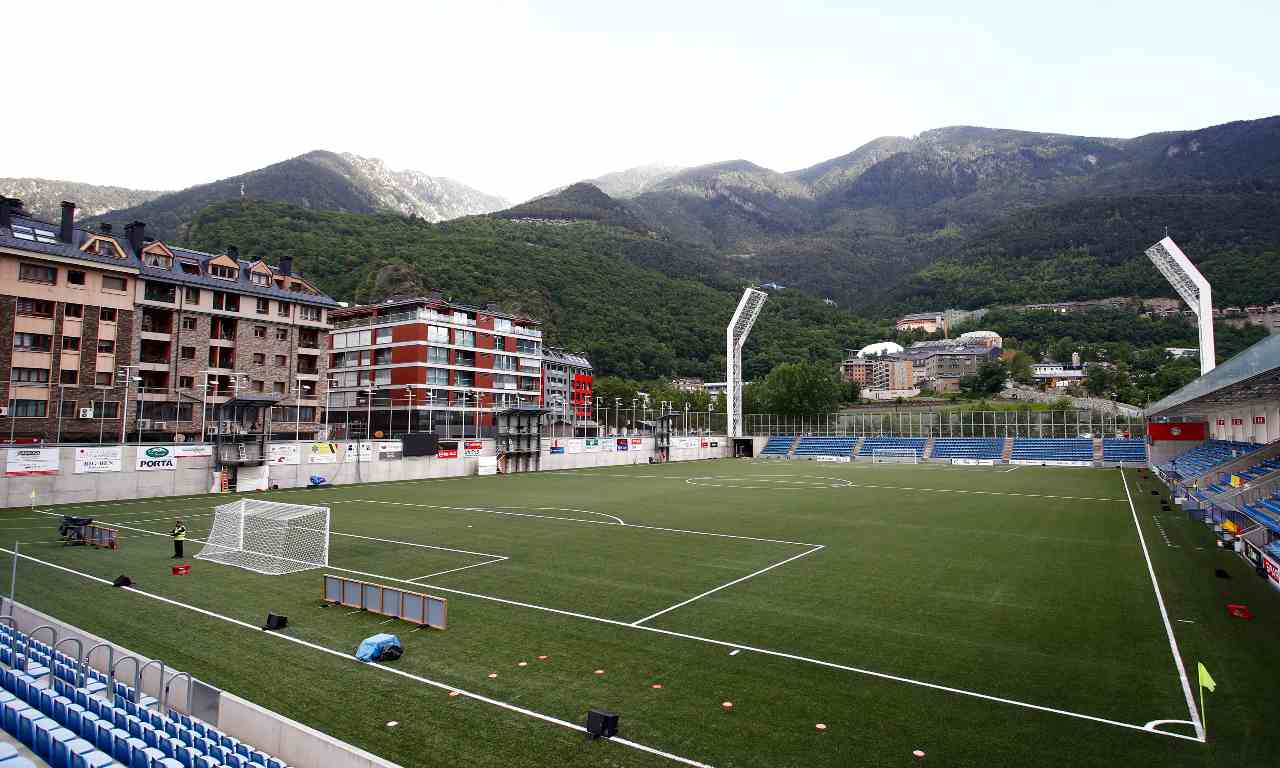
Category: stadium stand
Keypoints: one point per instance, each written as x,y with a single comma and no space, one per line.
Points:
1120,449
778,445
873,444
62,714
1052,449
826,446
1204,457
968,448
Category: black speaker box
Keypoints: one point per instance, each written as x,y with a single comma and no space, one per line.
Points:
601,723
122,581
276,621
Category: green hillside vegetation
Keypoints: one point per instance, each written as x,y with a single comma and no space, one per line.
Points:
596,288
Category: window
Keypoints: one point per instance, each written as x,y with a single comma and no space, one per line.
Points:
259,278
282,308
502,324
259,358
464,338
191,295
36,307
504,363
29,408
112,283
109,410
75,277
161,292
188,323
189,268
382,357
277,387
499,342
310,313
69,409
438,355
436,333
223,272
382,378
187,353
282,334
258,385
281,360
159,260
69,376
30,375
106,248
186,382
106,347
264,306
102,379
438,377
70,343
227,302
73,310
107,314
32,342
37,273
259,331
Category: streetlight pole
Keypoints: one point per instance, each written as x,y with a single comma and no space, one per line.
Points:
631,427
297,411
368,418
62,392
124,405
409,394
617,406
204,405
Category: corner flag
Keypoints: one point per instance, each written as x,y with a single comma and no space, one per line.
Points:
1205,680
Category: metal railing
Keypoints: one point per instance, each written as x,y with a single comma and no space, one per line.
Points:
950,423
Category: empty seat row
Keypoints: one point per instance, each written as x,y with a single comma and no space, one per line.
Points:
778,445
1052,449
1123,449
968,448
826,446
1203,458
872,444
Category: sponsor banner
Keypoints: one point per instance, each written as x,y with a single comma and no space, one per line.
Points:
192,451
1259,419
1050,463
472,447
322,453
284,453
686,443
591,444
1183,430
715,444
447,450
557,450
704,444
1221,422
389,449
834,459
488,465
99,459
637,441
974,462
621,444
31,461
157,458
575,446
1273,568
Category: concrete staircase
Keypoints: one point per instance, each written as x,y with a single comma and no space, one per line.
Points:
928,448
857,447
791,452
1008,449
1097,450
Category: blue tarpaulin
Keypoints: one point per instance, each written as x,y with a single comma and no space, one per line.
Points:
379,647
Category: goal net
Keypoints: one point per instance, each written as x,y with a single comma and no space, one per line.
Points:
895,456
268,537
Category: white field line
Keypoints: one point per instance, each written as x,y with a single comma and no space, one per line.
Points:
1164,616
739,580
412,544
463,568
725,482
391,670
667,633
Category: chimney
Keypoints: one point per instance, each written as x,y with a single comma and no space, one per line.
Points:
105,227
286,266
67,233
1075,359
5,219
136,232
233,252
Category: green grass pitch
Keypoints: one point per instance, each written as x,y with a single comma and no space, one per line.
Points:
987,616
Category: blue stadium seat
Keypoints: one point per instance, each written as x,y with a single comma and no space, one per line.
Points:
968,448
1052,449
826,446
1126,450
872,444
778,445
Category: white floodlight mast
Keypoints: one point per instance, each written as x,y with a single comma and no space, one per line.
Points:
749,307
1193,288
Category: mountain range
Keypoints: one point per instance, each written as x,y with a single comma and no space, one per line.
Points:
320,179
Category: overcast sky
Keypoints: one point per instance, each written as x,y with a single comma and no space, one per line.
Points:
516,98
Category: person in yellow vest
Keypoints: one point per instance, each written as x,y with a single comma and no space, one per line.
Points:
179,535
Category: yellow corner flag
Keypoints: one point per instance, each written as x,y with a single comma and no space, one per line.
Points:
1205,680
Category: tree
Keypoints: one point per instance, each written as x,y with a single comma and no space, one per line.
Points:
801,389
851,392
1020,368
989,380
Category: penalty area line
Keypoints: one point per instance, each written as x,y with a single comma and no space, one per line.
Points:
391,670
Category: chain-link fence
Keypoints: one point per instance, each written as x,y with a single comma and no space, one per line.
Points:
951,423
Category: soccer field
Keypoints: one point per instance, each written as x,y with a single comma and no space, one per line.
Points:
986,615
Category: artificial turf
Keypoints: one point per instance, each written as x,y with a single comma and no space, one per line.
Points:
1028,586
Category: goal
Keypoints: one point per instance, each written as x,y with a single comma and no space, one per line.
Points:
268,537
895,456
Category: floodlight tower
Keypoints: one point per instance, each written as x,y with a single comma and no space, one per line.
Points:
749,307
1193,288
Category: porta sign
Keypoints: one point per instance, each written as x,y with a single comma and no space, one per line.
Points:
157,457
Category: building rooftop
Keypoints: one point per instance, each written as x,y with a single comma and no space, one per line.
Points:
435,301
558,355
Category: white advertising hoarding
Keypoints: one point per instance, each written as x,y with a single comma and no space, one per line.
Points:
22,462
106,458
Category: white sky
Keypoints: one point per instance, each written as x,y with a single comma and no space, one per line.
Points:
517,98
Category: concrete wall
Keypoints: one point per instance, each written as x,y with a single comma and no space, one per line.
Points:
195,475
268,731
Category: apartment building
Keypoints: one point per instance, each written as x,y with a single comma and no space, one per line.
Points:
210,327
567,384
66,327
102,327
448,364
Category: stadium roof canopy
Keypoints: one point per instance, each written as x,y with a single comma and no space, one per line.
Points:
1252,376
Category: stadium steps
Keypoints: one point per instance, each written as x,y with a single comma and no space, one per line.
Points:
857,447
1097,449
928,446
1008,450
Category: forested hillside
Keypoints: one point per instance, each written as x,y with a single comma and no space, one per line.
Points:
603,290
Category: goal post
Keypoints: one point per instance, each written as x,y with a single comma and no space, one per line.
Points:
268,537
895,456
